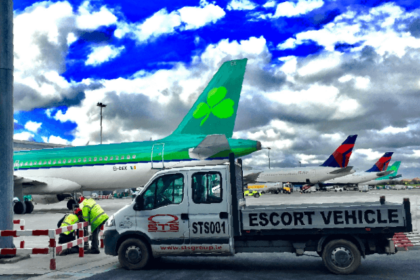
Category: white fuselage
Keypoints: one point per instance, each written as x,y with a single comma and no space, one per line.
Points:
355,178
91,178
315,175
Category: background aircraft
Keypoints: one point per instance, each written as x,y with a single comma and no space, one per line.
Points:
386,179
334,166
203,137
377,170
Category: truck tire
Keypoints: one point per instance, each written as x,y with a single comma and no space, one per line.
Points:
341,256
257,195
134,254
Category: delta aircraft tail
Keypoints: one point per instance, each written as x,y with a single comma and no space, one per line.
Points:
215,110
382,163
341,156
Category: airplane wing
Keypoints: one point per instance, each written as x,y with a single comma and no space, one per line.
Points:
384,173
342,170
251,177
46,185
210,146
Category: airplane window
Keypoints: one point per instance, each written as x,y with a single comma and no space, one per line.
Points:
30,163
134,156
54,162
74,160
94,159
79,160
90,159
106,158
84,160
128,157
45,162
26,163
122,157
49,162
21,164
111,158
59,161
117,157
64,161
100,159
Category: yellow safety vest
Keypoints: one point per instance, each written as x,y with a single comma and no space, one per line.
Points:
70,219
93,213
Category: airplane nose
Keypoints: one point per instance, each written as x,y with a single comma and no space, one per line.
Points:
258,145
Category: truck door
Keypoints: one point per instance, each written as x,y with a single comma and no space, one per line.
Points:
165,201
208,212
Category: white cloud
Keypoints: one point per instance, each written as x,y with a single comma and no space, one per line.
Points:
291,9
307,159
369,153
161,23
55,140
197,17
394,130
32,126
241,5
103,54
363,29
322,63
71,38
90,20
15,120
345,78
269,4
25,136
416,154
288,44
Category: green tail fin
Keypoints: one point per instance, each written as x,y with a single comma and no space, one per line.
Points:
214,112
395,166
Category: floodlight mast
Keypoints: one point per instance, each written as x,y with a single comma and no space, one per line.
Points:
102,106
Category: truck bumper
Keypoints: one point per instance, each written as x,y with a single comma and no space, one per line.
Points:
110,241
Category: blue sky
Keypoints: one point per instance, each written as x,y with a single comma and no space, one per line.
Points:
317,72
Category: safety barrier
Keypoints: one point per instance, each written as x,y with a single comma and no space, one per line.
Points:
52,234
405,240
21,223
105,196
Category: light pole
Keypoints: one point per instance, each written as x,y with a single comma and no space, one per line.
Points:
102,106
268,148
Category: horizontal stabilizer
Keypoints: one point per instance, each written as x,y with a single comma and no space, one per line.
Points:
210,146
384,173
251,177
395,177
342,170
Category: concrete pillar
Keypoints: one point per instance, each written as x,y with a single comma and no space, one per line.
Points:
6,120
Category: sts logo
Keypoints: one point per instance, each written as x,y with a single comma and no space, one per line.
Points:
163,223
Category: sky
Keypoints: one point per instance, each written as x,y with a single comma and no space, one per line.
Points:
317,72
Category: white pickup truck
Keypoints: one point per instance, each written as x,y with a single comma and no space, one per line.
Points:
177,214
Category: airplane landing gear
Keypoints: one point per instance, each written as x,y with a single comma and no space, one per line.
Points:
70,204
29,207
19,208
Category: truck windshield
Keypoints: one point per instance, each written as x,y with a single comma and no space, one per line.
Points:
207,187
165,190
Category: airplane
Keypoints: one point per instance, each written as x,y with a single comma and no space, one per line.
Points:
203,137
334,166
386,179
377,170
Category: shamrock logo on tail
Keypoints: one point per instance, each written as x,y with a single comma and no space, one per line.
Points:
215,104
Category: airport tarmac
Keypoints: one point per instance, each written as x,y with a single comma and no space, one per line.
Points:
107,267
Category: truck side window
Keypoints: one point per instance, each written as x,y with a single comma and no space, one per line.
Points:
165,190
207,187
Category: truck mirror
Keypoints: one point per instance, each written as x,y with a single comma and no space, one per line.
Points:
139,203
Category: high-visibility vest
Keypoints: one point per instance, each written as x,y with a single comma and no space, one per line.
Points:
93,213
70,219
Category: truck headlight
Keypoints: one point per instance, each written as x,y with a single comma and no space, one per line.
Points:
111,221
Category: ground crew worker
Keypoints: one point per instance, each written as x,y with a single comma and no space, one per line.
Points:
68,236
96,216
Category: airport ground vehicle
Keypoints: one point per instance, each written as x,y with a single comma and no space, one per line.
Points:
252,193
195,223
363,188
287,188
338,189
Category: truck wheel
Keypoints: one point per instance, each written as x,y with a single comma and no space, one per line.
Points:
257,195
133,254
341,256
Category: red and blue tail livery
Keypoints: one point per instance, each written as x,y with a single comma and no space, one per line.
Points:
341,156
382,163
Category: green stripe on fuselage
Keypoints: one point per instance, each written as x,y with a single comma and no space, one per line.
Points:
175,149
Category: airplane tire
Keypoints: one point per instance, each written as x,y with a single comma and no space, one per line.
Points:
70,204
29,207
18,208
